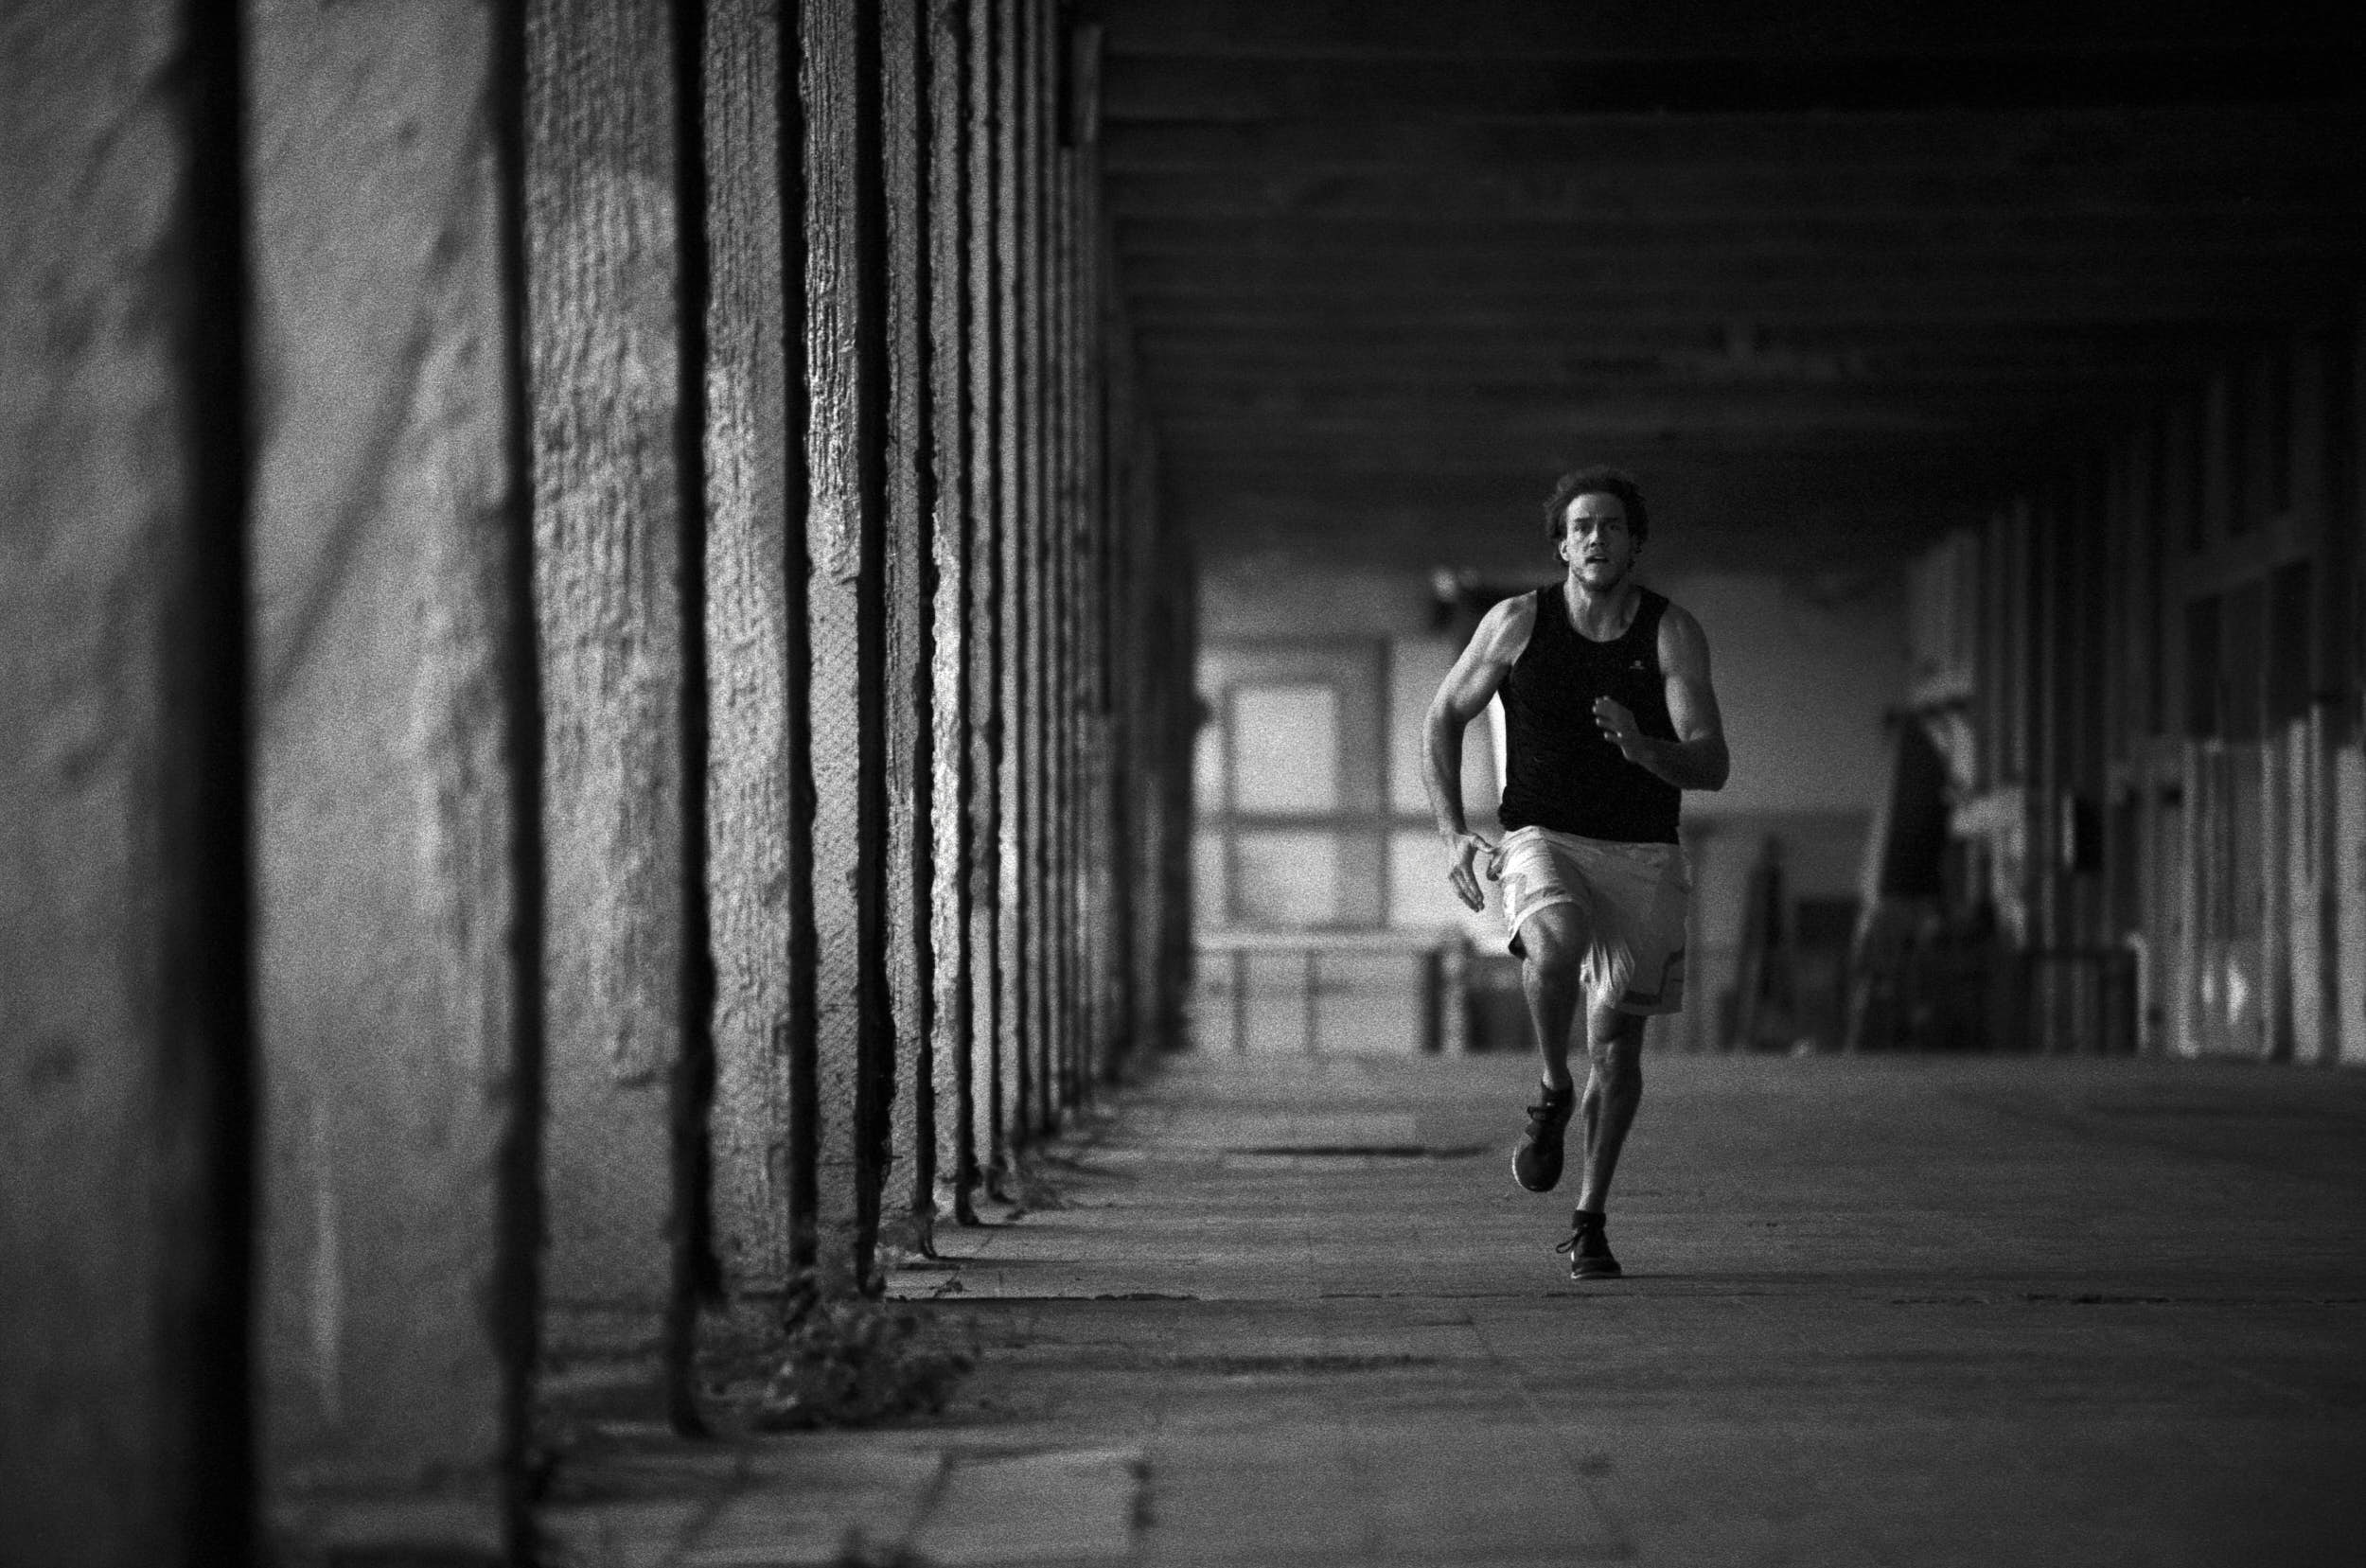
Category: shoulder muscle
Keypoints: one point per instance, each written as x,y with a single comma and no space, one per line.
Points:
1684,647
1504,631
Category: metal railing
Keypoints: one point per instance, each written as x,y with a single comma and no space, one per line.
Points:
1241,972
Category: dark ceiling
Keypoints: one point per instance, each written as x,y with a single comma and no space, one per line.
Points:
1828,279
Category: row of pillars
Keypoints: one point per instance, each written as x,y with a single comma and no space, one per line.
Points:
598,714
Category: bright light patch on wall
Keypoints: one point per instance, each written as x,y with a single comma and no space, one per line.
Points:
1286,749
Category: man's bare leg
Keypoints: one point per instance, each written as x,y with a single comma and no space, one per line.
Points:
1614,1087
1552,946
1552,943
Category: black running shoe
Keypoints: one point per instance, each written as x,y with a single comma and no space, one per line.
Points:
1536,1158
1589,1250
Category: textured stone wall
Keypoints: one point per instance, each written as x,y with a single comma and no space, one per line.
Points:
611,524
907,567
981,1121
124,1034
388,550
1035,783
845,523
1014,664
954,643
754,858
606,309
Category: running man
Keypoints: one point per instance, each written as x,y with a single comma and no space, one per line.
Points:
1609,716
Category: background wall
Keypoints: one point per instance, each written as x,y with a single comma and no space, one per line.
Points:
1806,669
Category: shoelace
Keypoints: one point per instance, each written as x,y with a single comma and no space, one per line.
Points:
1577,1239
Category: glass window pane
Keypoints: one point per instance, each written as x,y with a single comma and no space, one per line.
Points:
1286,749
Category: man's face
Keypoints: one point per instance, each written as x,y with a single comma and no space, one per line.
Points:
1595,540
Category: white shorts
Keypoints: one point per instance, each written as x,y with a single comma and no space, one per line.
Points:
1632,899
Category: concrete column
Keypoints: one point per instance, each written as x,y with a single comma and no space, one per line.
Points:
1059,522
125,964
2340,658
1074,554
984,162
1033,1113
2347,518
1090,712
754,479
1113,420
392,701
1060,515
1174,655
607,312
1107,845
2094,588
846,385
1136,705
1166,706
2051,521
2317,954
908,568
1012,996
953,637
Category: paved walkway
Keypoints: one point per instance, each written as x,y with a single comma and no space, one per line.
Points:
1876,1310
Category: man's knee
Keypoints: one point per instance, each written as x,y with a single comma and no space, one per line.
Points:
1551,938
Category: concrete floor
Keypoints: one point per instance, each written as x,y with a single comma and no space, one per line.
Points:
1876,1310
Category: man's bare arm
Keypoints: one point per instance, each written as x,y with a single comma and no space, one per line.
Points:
1468,687
1695,759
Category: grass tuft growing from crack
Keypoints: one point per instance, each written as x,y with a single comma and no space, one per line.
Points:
852,1362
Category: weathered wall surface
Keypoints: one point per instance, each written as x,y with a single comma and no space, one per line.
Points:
123,973
906,1197
1032,713
603,299
953,642
982,1127
387,553
2146,673
704,699
845,524
1014,664
751,852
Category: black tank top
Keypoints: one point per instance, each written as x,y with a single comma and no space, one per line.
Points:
1564,773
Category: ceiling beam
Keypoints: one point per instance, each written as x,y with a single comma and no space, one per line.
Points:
1465,453
1569,310
1704,521
2030,141
1930,395
1828,277
1427,336
1607,197
1233,87
2254,228
1449,364
1555,29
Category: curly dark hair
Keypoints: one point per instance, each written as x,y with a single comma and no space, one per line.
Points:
1597,480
